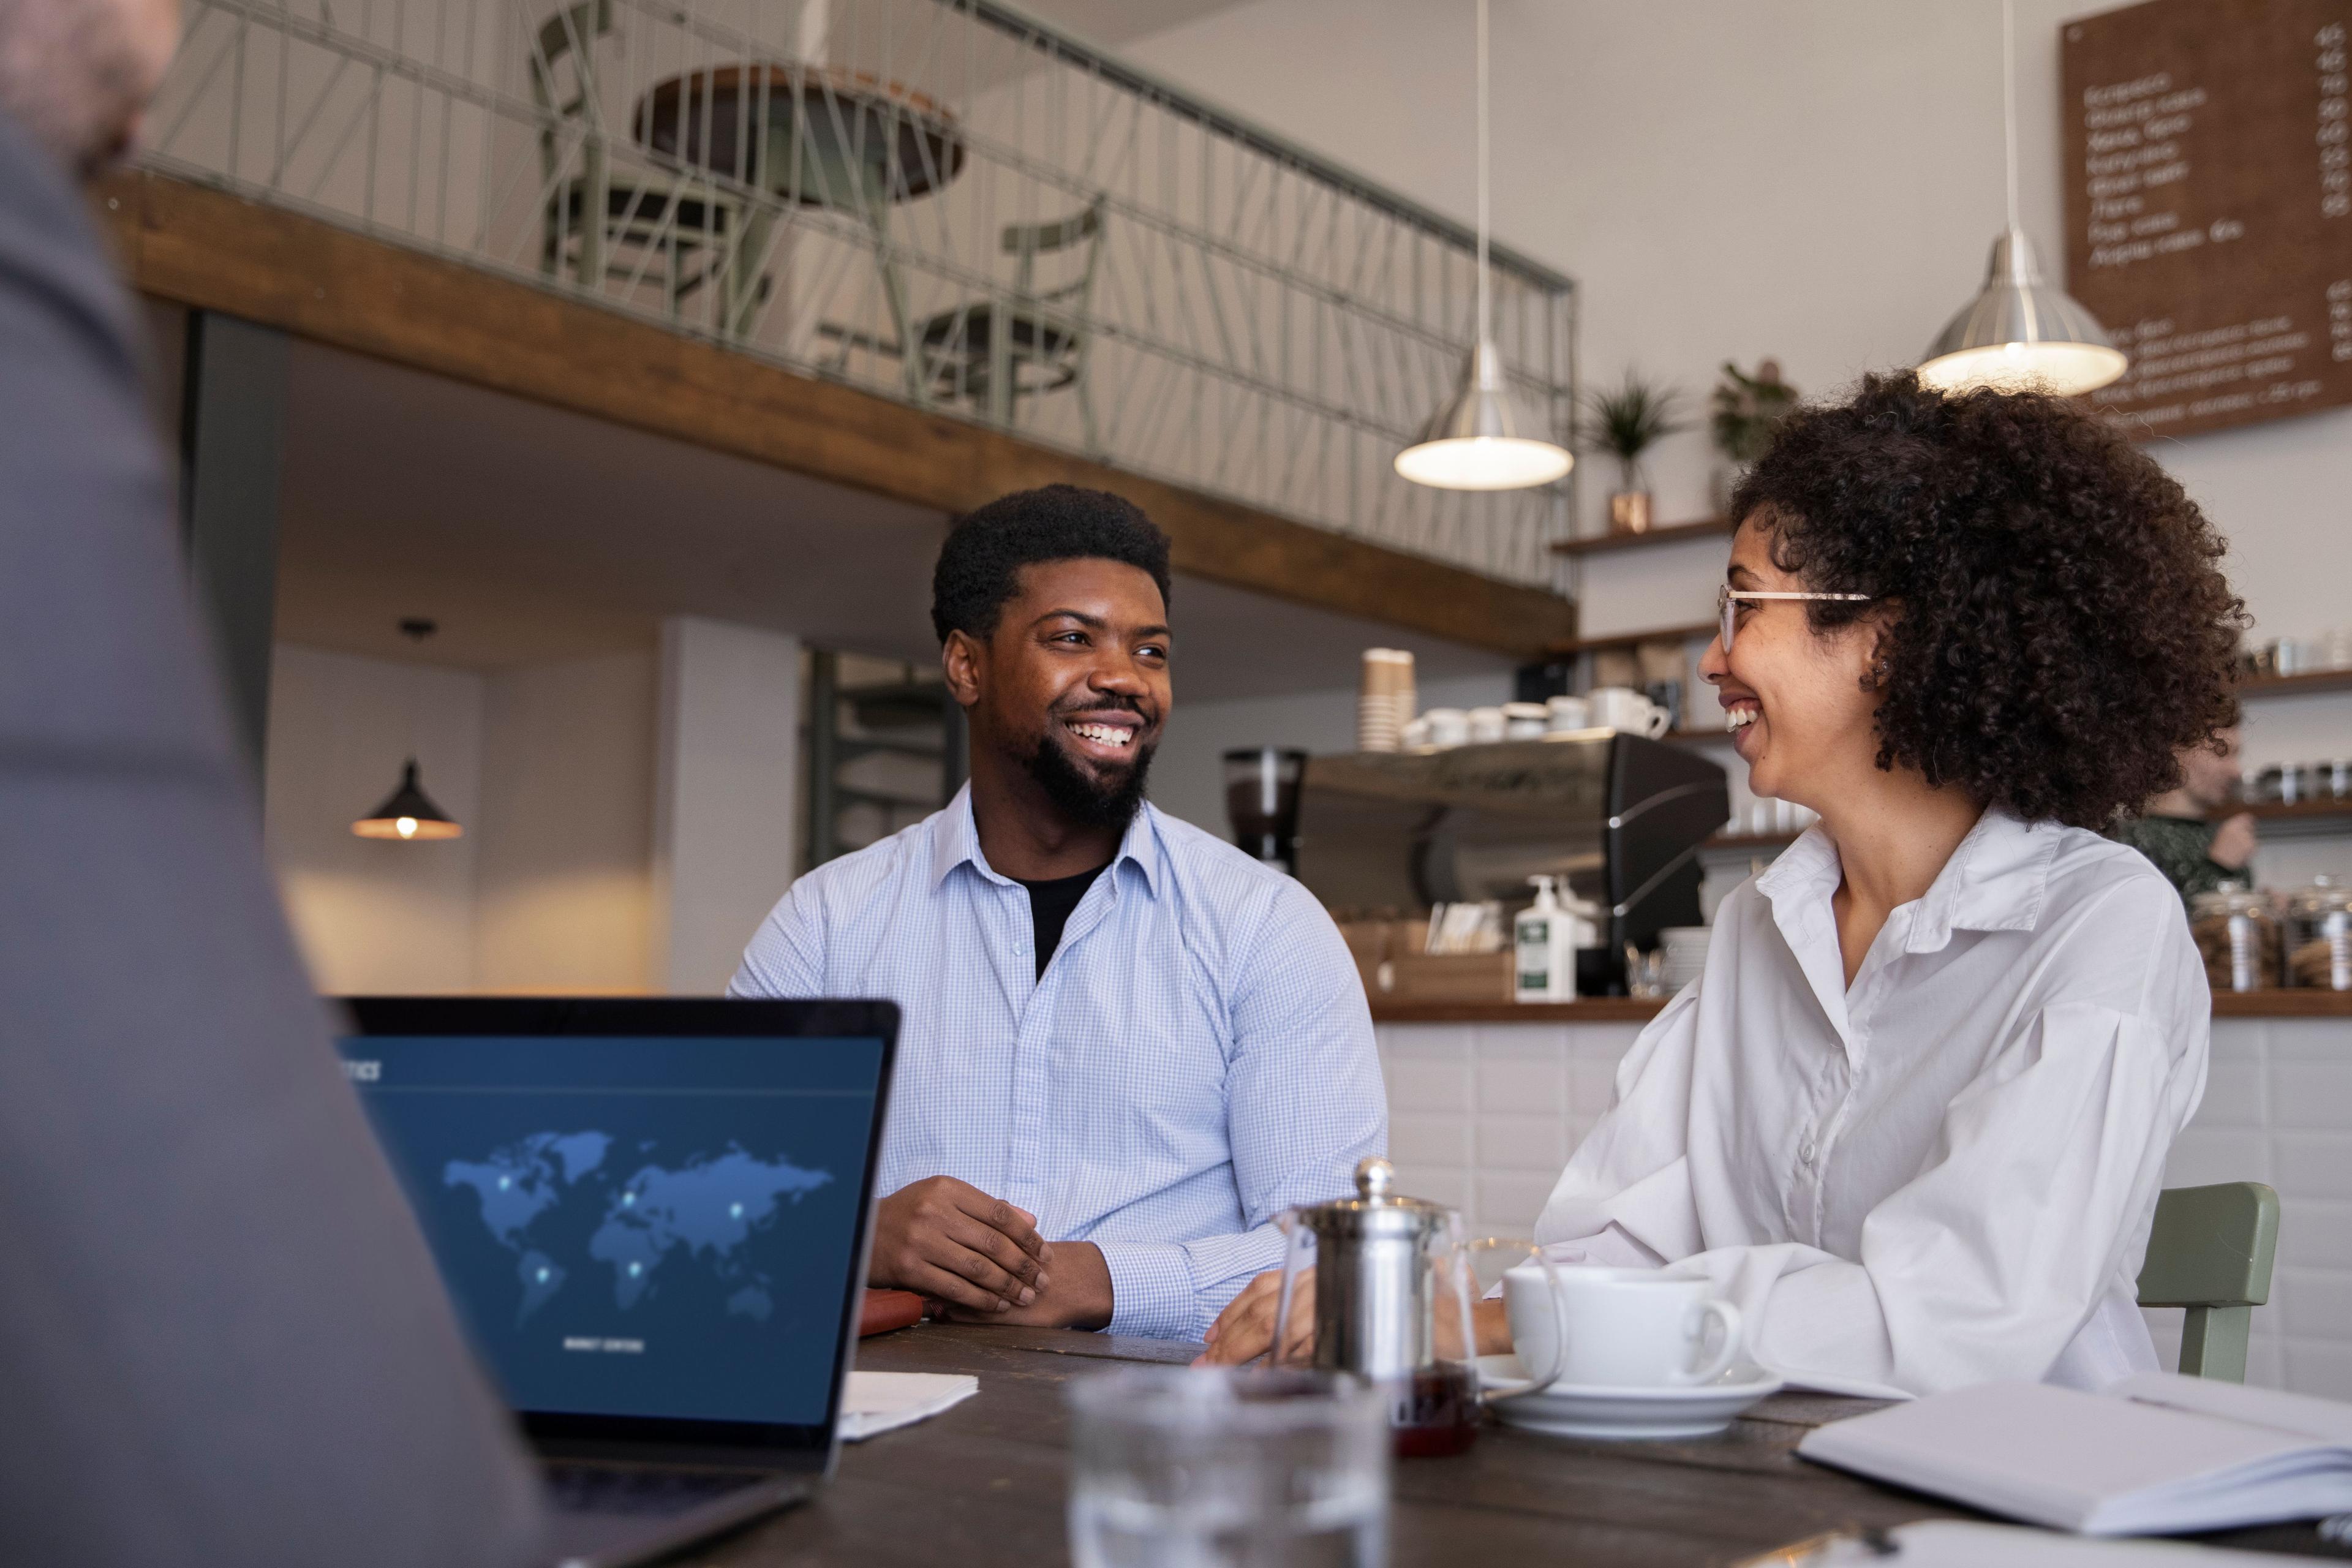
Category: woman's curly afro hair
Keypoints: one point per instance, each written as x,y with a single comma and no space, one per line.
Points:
2060,624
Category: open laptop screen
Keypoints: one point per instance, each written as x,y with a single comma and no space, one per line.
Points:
639,1227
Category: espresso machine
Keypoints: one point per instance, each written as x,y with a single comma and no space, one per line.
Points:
1619,818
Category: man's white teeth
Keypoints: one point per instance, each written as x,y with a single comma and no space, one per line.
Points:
1103,735
1740,718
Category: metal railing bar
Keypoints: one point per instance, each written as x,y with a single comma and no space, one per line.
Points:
1234,127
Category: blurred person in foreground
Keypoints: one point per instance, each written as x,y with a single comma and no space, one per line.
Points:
2177,829
222,1339
1913,1116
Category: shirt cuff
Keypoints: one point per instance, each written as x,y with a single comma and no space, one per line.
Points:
1151,1289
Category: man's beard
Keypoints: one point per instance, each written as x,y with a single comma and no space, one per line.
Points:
1076,796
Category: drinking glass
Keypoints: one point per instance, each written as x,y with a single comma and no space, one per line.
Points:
1228,1467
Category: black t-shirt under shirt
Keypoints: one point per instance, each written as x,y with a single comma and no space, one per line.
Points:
1050,904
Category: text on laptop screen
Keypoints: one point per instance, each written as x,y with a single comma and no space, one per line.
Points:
647,1228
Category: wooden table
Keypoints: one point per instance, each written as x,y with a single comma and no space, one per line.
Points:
816,135
986,1483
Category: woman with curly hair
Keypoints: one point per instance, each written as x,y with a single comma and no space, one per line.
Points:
1913,1117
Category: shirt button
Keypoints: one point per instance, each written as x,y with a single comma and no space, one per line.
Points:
1806,1150
1020,947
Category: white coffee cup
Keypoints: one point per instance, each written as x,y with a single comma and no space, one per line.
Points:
1565,714
1447,726
1486,724
1619,1328
1524,720
1624,709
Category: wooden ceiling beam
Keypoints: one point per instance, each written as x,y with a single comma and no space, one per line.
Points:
210,249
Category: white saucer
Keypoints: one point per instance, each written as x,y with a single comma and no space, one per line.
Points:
1566,1411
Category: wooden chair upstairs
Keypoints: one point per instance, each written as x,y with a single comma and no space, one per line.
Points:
2210,1251
682,232
1033,339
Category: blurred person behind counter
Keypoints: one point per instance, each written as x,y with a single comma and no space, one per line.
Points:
2177,829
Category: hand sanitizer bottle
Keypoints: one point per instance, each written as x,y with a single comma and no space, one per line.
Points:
1544,945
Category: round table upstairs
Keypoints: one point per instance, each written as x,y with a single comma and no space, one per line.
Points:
794,130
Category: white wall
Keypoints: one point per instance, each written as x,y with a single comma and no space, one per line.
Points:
563,881
727,793
1817,181
373,915
552,770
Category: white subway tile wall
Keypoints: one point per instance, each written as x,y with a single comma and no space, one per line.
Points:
1483,1116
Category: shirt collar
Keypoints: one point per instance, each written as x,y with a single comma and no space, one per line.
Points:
1995,879
955,839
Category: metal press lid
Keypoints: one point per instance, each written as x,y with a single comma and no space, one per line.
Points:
1375,1210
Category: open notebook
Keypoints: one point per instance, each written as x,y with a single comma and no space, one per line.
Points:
2154,1455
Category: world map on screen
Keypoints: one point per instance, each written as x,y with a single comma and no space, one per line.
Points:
559,1201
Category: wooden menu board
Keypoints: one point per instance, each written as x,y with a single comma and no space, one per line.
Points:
2208,205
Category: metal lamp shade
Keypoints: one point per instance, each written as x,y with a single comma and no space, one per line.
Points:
1482,438
409,815
2021,334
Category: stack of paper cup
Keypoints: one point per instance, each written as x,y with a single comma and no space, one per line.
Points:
1386,703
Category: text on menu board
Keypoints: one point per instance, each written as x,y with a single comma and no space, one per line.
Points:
2208,205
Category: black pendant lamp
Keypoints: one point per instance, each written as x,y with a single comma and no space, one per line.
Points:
408,813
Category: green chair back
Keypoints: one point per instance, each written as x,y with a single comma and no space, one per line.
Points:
2210,1251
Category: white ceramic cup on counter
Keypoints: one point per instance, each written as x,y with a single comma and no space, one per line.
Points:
1447,726
1563,714
1524,720
1486,724
1623,709
1620,1328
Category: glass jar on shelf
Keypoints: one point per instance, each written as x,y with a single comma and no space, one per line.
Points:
2238,934
2319,936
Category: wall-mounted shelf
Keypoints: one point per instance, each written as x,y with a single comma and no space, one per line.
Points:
1630,640
2308,684
1672,533
2302,810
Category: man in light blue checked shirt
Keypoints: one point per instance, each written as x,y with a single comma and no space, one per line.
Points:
1126,1045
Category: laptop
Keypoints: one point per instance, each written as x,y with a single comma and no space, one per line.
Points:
652,1216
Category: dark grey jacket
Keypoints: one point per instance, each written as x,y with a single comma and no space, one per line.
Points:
222,1341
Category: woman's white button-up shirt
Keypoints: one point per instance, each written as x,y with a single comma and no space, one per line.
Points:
1942,1174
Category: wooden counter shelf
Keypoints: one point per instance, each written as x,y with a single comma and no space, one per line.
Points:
2276,1003
1671,533
2309,683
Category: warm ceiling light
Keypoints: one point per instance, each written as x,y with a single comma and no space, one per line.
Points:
2019,333
409,814
1482,438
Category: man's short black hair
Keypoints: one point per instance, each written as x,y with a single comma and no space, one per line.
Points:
980,565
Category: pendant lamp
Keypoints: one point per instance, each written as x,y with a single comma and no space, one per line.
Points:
2020,331
1483,437
408,813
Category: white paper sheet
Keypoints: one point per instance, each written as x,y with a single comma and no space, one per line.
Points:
877,1402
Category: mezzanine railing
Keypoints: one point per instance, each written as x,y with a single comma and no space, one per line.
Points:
942,201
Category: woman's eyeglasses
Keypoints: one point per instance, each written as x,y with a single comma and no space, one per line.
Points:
1727,601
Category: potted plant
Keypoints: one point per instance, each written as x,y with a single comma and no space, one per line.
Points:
1747,412
1632,419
